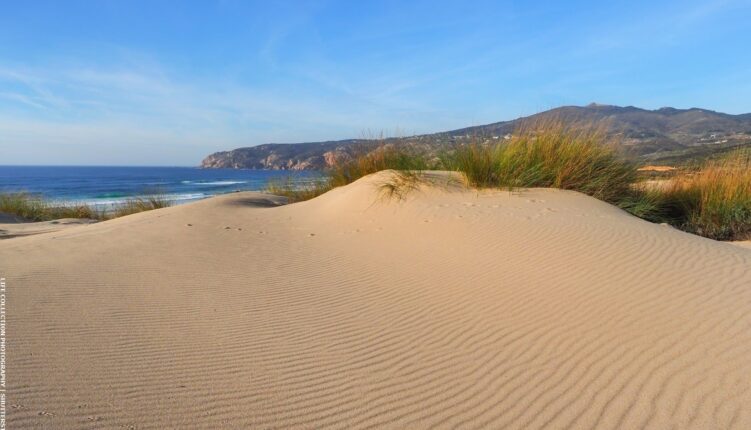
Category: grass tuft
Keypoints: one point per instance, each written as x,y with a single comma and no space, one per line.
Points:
141,204
549,155
399,184
297,191
405,162
713,202
34,208
387,157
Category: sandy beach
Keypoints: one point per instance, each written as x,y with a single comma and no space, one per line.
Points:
11,227
453,308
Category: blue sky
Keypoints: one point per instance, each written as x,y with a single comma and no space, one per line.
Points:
167,82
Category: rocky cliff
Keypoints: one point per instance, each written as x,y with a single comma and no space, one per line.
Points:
662,134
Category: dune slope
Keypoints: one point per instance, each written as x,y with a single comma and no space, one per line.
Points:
451,309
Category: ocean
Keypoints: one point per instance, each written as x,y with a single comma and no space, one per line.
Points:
109,186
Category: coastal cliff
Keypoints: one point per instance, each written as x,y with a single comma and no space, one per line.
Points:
666,135
275,156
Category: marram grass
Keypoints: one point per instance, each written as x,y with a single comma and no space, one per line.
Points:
714,201
296,191
34,208
553,156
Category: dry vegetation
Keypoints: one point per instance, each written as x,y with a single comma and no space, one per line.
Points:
405,162
553,156
297,191
713,200
34,208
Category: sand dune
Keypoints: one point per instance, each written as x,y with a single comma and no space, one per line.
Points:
451,309
11,227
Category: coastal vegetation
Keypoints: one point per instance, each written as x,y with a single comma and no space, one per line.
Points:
405,161
297,191
662,136
140,204
712,199
31,207
551,156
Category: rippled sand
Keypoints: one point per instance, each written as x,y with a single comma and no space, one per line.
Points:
451,309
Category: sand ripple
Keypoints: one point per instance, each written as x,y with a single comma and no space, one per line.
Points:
453,309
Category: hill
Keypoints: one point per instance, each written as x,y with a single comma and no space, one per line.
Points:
665,134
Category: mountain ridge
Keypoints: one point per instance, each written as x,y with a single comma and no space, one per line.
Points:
666,133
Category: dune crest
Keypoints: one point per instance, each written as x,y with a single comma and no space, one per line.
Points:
450,309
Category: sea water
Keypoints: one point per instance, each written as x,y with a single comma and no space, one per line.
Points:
109,186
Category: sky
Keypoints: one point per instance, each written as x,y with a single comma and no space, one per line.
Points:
168,82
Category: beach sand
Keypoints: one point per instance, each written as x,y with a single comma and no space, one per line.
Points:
451,309
11,227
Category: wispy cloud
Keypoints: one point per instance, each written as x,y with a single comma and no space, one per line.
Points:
253,73
116,108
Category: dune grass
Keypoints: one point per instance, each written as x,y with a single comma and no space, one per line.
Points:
553,156
386,157
141,204
398,185
296,191
34,208
714,201
405,162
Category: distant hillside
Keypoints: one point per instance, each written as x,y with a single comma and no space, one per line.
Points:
666,134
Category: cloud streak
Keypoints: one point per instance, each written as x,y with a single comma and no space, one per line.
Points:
88,91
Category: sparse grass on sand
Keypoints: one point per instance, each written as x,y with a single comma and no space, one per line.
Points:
297,191
33,208
141,204
407,165
387,157
400,184
714,201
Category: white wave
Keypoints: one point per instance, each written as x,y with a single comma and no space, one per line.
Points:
112,202
214,182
